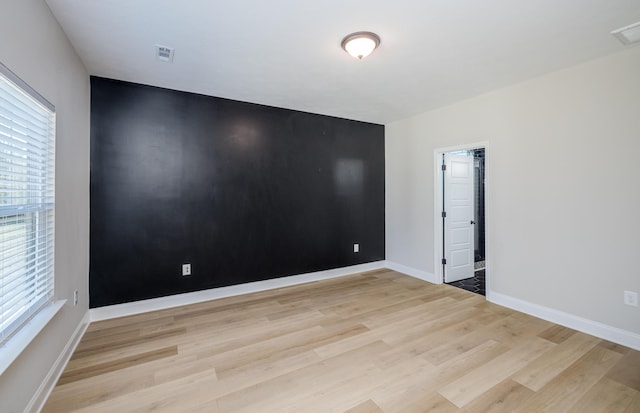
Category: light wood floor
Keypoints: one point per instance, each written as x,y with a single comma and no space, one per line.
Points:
373,342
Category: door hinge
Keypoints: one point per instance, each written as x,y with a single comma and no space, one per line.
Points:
444,261
444,167
444,214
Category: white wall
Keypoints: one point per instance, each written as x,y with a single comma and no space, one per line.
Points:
33,46
564,182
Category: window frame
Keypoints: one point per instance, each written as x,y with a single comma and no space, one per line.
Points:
36,206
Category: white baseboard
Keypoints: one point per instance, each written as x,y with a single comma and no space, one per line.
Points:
161,303
614,334
422,275
46,387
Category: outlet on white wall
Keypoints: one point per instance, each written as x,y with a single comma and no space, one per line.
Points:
631,298
75,297
186,269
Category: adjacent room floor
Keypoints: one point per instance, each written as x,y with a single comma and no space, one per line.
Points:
373,342
475,284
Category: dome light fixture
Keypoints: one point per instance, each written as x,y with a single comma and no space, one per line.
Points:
360,44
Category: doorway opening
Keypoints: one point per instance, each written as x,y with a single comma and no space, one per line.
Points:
461,217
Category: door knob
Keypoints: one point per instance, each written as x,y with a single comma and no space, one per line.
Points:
473,222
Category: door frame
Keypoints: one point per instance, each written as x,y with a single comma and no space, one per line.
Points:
437,209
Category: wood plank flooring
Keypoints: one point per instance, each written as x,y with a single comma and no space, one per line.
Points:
372,342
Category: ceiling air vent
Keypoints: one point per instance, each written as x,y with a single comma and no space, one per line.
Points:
628,35
164,53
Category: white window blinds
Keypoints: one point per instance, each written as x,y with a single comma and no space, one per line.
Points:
27,167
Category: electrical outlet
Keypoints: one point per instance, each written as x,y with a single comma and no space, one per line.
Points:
631,298
75,297
186,269
356,247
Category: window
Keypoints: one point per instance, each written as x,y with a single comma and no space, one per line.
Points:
27,157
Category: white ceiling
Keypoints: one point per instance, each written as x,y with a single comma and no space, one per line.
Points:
287,53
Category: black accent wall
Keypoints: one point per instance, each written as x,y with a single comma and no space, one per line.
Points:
241,191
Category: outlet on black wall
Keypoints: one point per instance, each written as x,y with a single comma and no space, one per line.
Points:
241,191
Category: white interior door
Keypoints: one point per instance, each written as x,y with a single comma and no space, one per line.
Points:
458,223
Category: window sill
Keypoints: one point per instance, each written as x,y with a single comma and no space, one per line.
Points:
10,351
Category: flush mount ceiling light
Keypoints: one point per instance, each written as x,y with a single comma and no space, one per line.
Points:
360,44
629,34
